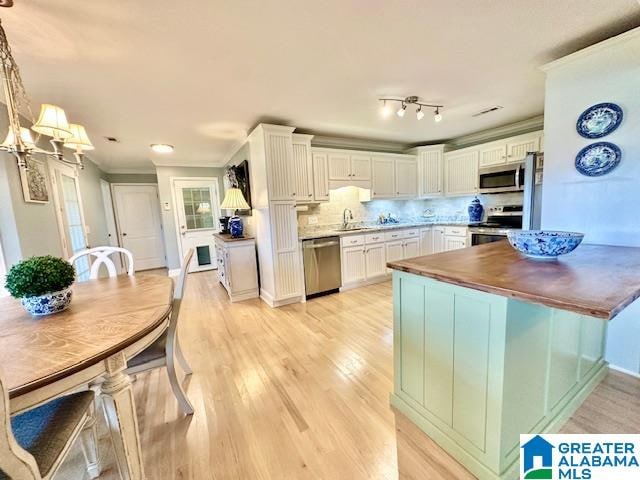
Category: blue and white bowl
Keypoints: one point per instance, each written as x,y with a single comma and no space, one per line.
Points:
48,303
544,244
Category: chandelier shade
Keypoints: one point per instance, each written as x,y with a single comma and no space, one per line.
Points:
53,122
25,136
79,139
234,200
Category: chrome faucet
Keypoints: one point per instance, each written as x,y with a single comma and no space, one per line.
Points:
346,217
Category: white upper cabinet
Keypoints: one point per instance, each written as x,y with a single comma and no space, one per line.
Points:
346,166
430,172
493,154
383,184
406,177
461,172
360,167
518,148
302,168
339,166
320,177
279,157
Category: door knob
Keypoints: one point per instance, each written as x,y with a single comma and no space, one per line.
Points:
124,234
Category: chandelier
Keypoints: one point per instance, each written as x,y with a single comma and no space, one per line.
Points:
52,121
385,109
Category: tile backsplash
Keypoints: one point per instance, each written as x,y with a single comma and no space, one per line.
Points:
450,208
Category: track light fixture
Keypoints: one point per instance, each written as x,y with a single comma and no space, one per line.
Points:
385,110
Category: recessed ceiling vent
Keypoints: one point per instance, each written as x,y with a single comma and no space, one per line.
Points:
111,139
488,110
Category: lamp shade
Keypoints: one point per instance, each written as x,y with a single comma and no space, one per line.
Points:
234,200
25,135
79,139
53,122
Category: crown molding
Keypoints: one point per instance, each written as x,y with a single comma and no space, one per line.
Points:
130,171
510,130
326,141
597,47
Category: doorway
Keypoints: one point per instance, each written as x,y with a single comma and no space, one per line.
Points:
197,210
137,211
70,214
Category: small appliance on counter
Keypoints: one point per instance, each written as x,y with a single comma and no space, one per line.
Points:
224,224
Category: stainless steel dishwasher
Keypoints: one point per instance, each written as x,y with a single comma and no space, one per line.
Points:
322,273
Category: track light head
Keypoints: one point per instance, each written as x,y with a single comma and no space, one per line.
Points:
402,110
438,116
419,113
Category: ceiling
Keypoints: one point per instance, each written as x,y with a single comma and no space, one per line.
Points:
200,74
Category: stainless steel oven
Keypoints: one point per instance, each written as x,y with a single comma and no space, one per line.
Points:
480,238
501,178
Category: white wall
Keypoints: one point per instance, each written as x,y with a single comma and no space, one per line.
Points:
607,208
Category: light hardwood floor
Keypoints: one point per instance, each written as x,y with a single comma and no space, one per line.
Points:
302,392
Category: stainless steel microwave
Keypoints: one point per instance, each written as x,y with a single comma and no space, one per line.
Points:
501,178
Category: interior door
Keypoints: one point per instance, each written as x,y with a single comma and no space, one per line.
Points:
198,208
112,231
70,215
139,226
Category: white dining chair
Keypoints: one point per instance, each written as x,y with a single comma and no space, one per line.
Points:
34,443
102,257
166,349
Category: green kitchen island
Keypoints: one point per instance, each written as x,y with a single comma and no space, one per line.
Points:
489,344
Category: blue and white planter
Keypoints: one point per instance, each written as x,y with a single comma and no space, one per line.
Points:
48,303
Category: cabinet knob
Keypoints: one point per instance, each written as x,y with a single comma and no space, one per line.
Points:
293,194
311,194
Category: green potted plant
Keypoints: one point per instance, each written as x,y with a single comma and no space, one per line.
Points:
42,284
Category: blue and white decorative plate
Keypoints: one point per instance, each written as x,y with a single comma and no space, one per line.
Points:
599,120
598,159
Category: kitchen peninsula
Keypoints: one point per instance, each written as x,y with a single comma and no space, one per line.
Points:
489,344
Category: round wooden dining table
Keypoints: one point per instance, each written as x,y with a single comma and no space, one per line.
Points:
109,321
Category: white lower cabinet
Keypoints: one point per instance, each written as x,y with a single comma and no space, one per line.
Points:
454,243
354,269
411,248
395,251
237,267
376,260
438,240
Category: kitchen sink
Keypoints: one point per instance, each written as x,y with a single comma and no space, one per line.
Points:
352,229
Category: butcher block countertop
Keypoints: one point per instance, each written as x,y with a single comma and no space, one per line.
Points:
596,280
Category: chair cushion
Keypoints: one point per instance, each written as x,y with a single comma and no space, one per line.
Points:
152,352
45,430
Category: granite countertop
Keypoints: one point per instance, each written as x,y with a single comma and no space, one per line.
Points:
595,280
330,231
226,237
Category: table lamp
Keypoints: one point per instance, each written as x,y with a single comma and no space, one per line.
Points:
234,200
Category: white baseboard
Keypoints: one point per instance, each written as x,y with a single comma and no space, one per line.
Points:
624,370
174,272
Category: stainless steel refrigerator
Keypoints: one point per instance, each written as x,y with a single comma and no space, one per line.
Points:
532,200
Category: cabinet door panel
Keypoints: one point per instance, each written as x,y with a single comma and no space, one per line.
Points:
279,154
493,155
303,172
383,178
430,173
376,257
353,265
406,178
287,271
360,167
454,243
339,166
411,248
284,226
438,239
411,307
320,177
461,173
426,241
517,151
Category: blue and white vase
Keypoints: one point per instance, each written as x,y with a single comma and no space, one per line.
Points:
235,226
475,211
48,303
